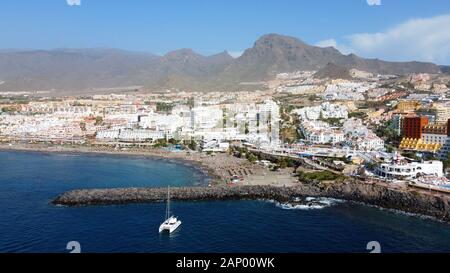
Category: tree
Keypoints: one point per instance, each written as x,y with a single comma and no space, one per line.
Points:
371,165
285,162
312,97
160,143
192,145
446,162
359,115
190,102
246,128
98,120
83,126
251,157
163,107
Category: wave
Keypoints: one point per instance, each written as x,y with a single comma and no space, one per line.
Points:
309,203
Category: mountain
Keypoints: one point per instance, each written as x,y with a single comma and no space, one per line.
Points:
76,70
445,69
72,69
275,53
332,71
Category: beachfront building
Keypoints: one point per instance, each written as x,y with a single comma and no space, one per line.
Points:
214,145
130,135
401,169
206,118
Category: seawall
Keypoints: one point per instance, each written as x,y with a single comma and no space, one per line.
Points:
146,195
374,194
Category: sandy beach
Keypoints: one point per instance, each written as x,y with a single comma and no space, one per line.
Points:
221,167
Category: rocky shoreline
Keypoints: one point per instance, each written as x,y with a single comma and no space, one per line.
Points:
372,194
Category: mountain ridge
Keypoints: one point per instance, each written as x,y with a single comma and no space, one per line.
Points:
84,69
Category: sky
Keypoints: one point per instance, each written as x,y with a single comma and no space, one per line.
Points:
396,30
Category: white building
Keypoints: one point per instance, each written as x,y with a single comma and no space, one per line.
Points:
206,118
401,169
325,110
130,135
215,146
320,132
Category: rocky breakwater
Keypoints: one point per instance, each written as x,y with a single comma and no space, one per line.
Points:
146,195
406,200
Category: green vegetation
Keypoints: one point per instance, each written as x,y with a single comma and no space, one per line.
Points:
192,145
77,103
285,162
164,107
246,128
410,154
238,151
319,176
9,109
289,108
372,105
446,162
359,115
224,118
98,120
390,148
83,126
386,132
289,125
371,165
160,143
332,121
313,97
251,157
289,134
190,102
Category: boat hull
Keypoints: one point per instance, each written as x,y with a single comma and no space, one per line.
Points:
169,227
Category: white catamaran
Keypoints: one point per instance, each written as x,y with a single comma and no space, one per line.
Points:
171,223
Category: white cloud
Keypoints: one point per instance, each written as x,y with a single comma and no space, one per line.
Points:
74,2
426,39
333,43
327,43
236,54
374,2
423,39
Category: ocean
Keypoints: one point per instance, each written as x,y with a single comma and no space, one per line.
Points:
29,223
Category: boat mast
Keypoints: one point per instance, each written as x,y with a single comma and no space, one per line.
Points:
168,203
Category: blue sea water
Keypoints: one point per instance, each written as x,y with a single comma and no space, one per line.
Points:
29,223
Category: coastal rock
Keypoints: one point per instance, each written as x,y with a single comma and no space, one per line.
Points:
374,194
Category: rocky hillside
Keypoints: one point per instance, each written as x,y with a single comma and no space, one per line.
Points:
76,70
